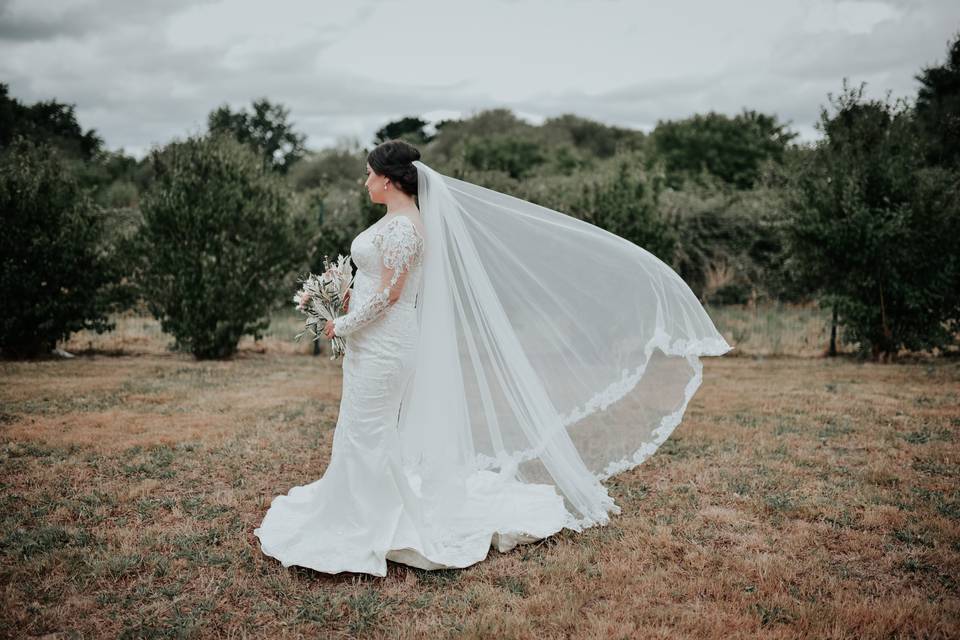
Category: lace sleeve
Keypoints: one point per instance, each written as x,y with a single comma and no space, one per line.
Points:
400,245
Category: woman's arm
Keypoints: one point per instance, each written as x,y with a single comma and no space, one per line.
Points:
399,244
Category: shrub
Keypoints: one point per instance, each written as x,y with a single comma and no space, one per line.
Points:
730,148
55,272
218,243
628,205
506,153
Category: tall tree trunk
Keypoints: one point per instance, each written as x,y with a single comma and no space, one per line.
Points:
887,346
832,351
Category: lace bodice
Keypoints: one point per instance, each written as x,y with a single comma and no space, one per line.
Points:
389,256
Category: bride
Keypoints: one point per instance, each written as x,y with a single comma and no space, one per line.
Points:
502,360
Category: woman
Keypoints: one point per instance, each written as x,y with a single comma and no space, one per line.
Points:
502,360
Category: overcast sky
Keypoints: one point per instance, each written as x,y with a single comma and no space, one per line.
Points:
142,73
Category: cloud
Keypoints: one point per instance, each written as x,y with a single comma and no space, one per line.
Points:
792,79
40,21
143,73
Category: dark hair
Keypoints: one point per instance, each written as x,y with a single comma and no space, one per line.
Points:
394,159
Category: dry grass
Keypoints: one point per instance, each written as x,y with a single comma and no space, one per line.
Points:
801,497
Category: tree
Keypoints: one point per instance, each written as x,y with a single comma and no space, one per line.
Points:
266,129
516,158
409,129
875,229
595,138
114,177
938,107
55,272
733,149
50,121
319,170
218,243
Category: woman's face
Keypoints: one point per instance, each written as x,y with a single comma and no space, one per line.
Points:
374,185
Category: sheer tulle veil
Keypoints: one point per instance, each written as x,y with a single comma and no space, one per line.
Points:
550,351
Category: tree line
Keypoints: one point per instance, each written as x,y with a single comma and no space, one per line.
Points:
208,233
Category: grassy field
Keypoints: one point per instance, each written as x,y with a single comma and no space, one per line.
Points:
801,497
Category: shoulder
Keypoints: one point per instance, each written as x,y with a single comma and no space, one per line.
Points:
399,230
400,223
399,242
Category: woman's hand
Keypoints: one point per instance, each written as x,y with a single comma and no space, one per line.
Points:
346,300
328,329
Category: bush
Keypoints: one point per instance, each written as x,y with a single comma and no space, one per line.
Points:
628,205
732,149
731,244
218,244
55,272
506,153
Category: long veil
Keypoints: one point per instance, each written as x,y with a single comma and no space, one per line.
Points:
551,351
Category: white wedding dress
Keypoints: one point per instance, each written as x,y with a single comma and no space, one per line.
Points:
368,507
530,356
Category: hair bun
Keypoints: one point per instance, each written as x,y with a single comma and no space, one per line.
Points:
394,159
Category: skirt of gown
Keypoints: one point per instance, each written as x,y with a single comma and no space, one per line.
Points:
367,508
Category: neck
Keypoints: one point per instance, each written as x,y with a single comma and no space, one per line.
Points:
400,207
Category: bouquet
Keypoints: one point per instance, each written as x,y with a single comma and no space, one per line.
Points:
321,299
